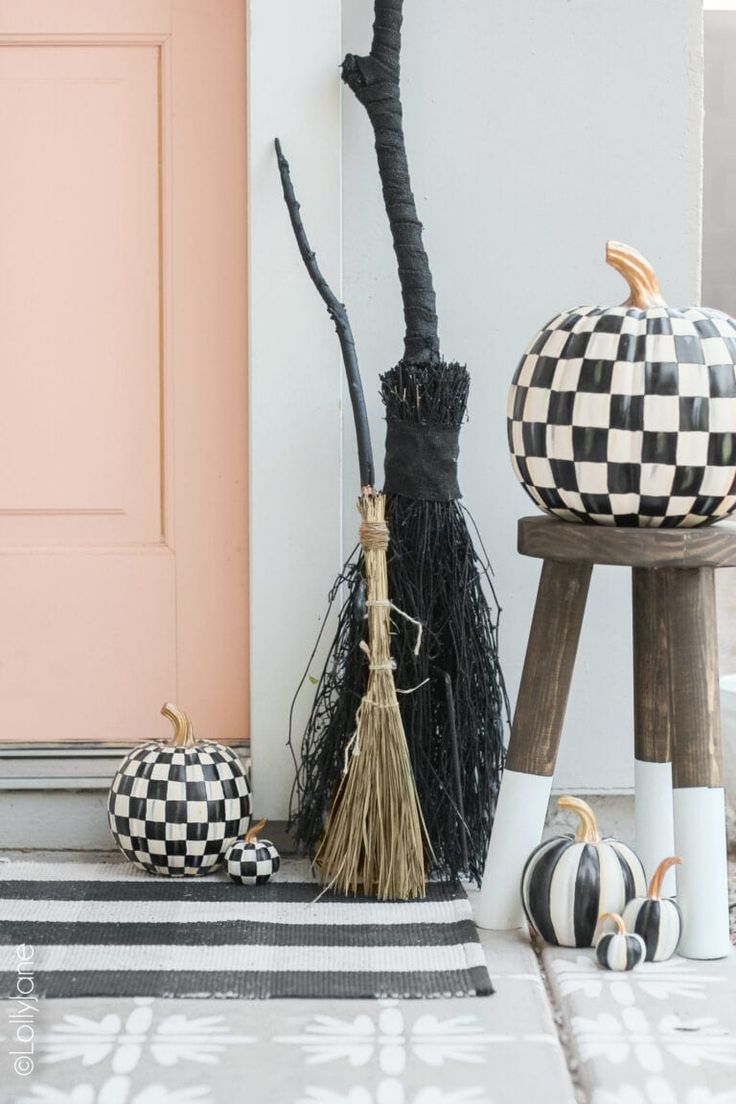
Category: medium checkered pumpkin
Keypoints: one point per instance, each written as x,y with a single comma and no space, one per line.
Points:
252,861
176,808
627,415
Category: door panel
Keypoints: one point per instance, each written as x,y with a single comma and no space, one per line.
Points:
123,381
80,416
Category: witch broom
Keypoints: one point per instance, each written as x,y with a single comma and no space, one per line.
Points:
374,838
454,722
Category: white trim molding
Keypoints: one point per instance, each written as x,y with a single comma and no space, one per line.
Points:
66,766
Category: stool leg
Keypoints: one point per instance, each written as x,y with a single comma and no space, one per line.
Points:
535,739
700,815
655,827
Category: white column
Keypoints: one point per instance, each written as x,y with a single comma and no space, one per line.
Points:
655,823
517,829
702,880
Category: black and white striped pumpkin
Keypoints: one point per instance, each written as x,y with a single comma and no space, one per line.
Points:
176,808
570,881
252,861
619,950
627,415
657,921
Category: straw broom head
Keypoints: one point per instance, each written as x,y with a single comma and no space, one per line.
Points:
374,841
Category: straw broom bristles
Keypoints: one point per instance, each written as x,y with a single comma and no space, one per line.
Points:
375,840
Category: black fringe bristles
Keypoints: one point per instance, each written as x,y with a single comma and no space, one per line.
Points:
338,692
455,721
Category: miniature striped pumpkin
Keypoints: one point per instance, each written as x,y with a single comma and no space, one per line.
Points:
569,882
619,950
657,921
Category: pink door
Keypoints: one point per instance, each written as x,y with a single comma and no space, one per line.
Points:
123,375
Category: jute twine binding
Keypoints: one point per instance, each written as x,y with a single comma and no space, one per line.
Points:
375,841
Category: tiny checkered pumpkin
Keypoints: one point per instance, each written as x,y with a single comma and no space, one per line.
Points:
175,808
570,881
657,921
627,415
252,861
619,950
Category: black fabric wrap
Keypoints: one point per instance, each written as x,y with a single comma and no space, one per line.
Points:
421,461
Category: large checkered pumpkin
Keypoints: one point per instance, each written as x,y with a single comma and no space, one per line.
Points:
627,415
176,808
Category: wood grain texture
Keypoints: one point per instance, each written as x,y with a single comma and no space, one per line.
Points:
693,655
549,539
548,667
652,734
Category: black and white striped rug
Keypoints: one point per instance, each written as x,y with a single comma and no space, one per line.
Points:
109,929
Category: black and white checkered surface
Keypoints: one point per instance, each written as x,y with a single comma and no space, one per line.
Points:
623,416
177,810
252,863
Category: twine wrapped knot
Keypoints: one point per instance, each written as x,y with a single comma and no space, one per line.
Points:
374,536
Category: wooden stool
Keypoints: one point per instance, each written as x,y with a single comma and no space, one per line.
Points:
676,713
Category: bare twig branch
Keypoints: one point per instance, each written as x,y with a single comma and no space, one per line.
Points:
339,316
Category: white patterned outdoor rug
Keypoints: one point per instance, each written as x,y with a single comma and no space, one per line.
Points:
109,929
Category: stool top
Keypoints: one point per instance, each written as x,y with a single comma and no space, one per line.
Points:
549,538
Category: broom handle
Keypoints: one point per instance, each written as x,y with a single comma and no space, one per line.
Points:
374,79
339,316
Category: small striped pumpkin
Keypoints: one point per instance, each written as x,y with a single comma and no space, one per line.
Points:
569,882
619,950
657,921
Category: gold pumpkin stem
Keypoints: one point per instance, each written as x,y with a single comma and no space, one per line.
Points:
183,731
639,275
617,920
655,886
253,832
588,828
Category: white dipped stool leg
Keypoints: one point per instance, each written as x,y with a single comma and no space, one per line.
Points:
517,829
700,808
535,739
655,823
655,830
702,880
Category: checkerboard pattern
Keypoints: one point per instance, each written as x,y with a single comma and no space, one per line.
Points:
622,416
176,811
252,863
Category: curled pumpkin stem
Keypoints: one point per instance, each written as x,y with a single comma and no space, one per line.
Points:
183,731
639,275
655,886
615,919
588,828
253,832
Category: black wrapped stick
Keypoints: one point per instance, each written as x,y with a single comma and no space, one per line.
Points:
375,81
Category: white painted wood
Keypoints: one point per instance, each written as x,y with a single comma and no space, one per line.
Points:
53,767
295,369
702,880
517,829
655,824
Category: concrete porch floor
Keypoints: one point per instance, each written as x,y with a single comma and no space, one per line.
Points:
558,1030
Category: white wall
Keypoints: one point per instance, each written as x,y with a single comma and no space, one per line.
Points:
295,371
536,130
